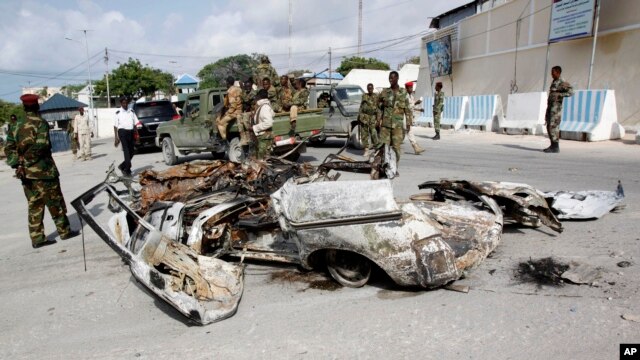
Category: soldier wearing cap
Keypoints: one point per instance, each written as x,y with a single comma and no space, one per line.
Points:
265,70
83,133
29,153
438,107
414,108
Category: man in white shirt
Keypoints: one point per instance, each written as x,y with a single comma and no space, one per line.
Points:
263,122
83,133
414,108
123,129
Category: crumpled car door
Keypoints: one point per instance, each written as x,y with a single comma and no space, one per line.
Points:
202,288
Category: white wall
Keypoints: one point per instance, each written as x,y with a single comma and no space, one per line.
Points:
485,58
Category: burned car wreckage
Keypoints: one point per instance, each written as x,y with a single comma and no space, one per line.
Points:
187,231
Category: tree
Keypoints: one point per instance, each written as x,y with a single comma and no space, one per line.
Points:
239,66
356,62
70,89
298,73
410,60
132,79
7,109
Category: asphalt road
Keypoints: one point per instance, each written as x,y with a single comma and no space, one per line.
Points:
52,308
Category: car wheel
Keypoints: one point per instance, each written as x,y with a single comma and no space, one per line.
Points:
354,138
347,268
168,152
235,153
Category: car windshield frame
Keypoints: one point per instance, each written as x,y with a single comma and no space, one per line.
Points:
349,95
154,109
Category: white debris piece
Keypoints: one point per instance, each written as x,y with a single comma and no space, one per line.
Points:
591,204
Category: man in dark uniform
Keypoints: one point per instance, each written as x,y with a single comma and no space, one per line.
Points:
29,153
124,130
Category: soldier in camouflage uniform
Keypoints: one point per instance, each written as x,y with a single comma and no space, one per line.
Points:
29,152
558,90
438,106
73,141
265,70
368,117
414,108
263,122
299,101
285,94
272,93
244,121
232,107
395,107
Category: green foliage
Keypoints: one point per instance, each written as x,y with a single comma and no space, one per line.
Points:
356,62
7,108
132,79
70,89
239,66
410,60
44,92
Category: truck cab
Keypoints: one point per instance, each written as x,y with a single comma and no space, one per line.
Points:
341,112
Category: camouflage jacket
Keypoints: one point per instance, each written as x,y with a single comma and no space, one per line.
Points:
285,95
438,102
369,104
248,104
29,146
558,90
395,106
233,101
300,98
265,71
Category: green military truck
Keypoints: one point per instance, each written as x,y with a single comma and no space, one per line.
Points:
195,131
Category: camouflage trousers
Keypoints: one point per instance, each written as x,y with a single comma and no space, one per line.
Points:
393,138
41,193
368,130
265,144
552,119
73,142
436,120
244,127
223,124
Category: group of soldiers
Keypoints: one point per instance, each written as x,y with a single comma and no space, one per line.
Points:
385,117
253,109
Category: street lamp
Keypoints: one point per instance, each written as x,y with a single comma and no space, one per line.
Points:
91,112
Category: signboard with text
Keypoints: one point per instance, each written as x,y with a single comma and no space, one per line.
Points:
571,19
439,55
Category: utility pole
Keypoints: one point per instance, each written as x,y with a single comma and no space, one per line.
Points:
593,46
91,112
290,30
329,66
359,27
106,61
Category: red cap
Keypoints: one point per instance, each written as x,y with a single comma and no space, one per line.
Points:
29,99
408,83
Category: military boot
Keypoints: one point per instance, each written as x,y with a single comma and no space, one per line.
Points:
553,148
437,136
417,149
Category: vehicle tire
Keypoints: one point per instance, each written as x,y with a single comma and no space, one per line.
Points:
168,152
293,156
354,138
347,268
218,155
235,153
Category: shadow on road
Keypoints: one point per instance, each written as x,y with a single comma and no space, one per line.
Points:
520,147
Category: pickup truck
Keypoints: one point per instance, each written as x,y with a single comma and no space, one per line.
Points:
341,114
193,132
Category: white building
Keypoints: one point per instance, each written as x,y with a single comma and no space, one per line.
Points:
380,78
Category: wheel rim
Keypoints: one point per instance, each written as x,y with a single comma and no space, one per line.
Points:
235,151
166,151
347,268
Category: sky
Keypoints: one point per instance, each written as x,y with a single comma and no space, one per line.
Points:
42,42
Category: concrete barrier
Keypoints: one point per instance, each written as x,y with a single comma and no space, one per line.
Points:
590,115
483,112
453,114
525,114
426,118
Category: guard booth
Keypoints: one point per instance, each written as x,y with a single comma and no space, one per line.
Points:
58,112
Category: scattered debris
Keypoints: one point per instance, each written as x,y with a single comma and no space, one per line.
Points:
584,205
457,288
631,317
624,264
581,274
514,169
546,271
492,271
314,280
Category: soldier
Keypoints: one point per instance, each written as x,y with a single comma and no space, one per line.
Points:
368,117
72,139
82,133
298,102
244,122
13,120
284,94
323,100
232,107
265,70
558,90
394,104
29,152
438,106
414,108
272,93
263,121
